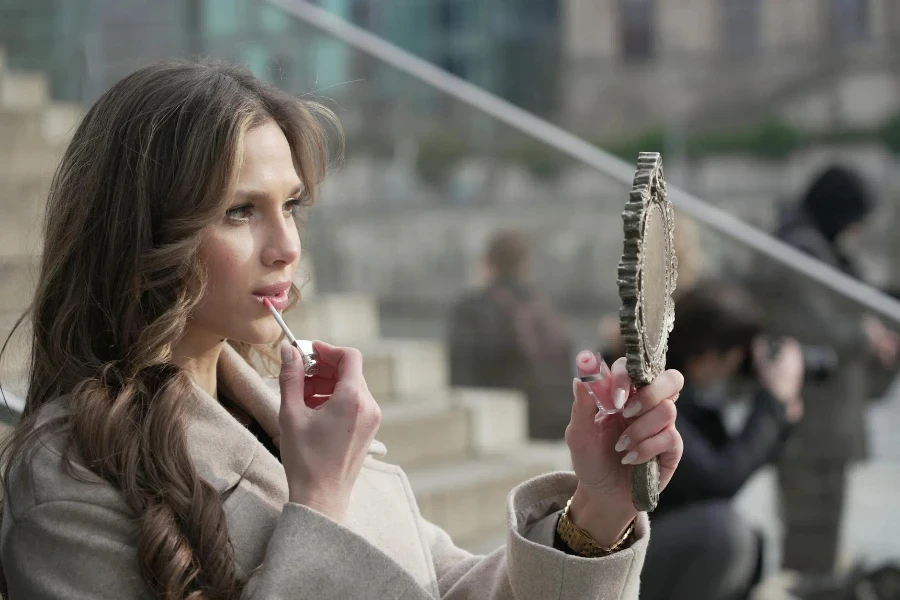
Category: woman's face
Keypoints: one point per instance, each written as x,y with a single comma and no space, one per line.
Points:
252,252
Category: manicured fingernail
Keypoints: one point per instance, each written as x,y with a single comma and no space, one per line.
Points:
619,398
629,458
287,353
632,409
623,443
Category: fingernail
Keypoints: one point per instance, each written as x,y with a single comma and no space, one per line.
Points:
287,353
619,398
575,386
629,458
623,443
632,409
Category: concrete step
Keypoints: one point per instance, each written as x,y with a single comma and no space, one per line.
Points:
425,433
51,123
404,369
498,419
22,201
23,91
468,498
29,160
340,319
453,425
20,235
18,280
59,122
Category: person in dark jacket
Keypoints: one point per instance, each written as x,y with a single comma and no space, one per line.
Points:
701,548
506,335
812,470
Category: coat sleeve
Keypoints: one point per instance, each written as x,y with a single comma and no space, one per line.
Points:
706,472
528,570
76,550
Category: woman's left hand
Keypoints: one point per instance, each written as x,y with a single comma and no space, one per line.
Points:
604,450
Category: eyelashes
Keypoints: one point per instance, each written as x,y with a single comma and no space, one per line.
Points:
239,214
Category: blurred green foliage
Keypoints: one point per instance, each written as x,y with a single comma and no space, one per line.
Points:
543,162
770,139
438,154
890,134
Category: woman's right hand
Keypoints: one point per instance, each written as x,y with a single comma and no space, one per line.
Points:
327,423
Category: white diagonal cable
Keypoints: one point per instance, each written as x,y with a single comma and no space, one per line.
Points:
575,147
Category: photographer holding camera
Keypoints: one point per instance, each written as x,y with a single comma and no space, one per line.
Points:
701,548
812,471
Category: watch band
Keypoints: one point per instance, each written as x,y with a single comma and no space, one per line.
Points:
582,543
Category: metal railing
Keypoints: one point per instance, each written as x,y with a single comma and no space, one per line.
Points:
578,149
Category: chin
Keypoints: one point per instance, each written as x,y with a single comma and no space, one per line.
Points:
263,332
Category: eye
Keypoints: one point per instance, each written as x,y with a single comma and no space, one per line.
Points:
239,213
294,206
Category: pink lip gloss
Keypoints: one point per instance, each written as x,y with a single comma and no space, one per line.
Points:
310,359
596,379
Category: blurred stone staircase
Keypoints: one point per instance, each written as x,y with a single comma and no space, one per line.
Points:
463,449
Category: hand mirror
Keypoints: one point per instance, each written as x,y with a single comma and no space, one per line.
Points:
647,274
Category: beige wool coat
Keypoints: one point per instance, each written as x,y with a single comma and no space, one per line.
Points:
64,539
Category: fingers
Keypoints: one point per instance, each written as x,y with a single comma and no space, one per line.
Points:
669,459
590,387
663,442
667,385
651,423
318,386
292,375
337,362
621,383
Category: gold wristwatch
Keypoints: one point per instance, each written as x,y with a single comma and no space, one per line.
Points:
582,543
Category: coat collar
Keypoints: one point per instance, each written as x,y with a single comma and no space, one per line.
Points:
221,448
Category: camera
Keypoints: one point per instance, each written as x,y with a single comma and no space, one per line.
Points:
820,363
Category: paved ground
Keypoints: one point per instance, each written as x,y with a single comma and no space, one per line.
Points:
871,528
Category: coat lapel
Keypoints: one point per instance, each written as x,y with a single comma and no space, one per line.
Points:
221,448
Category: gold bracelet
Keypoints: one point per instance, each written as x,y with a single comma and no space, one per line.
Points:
582,543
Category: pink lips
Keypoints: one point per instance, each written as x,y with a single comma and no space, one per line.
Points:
277,294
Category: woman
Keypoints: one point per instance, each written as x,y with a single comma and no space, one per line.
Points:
152,460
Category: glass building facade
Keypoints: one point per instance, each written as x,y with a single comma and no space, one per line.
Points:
510,47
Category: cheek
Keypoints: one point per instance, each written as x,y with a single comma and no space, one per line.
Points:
227,261
225,268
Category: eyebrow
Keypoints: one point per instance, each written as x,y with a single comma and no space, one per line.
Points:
259,195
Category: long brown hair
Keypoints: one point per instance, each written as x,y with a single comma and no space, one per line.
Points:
145,172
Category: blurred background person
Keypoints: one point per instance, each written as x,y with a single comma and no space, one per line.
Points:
701,547
813,470
506,335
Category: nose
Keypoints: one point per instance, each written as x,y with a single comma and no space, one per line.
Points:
281,245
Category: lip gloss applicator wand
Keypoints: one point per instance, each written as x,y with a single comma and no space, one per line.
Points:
310,360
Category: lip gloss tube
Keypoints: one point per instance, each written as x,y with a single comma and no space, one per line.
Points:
310,359
596,379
